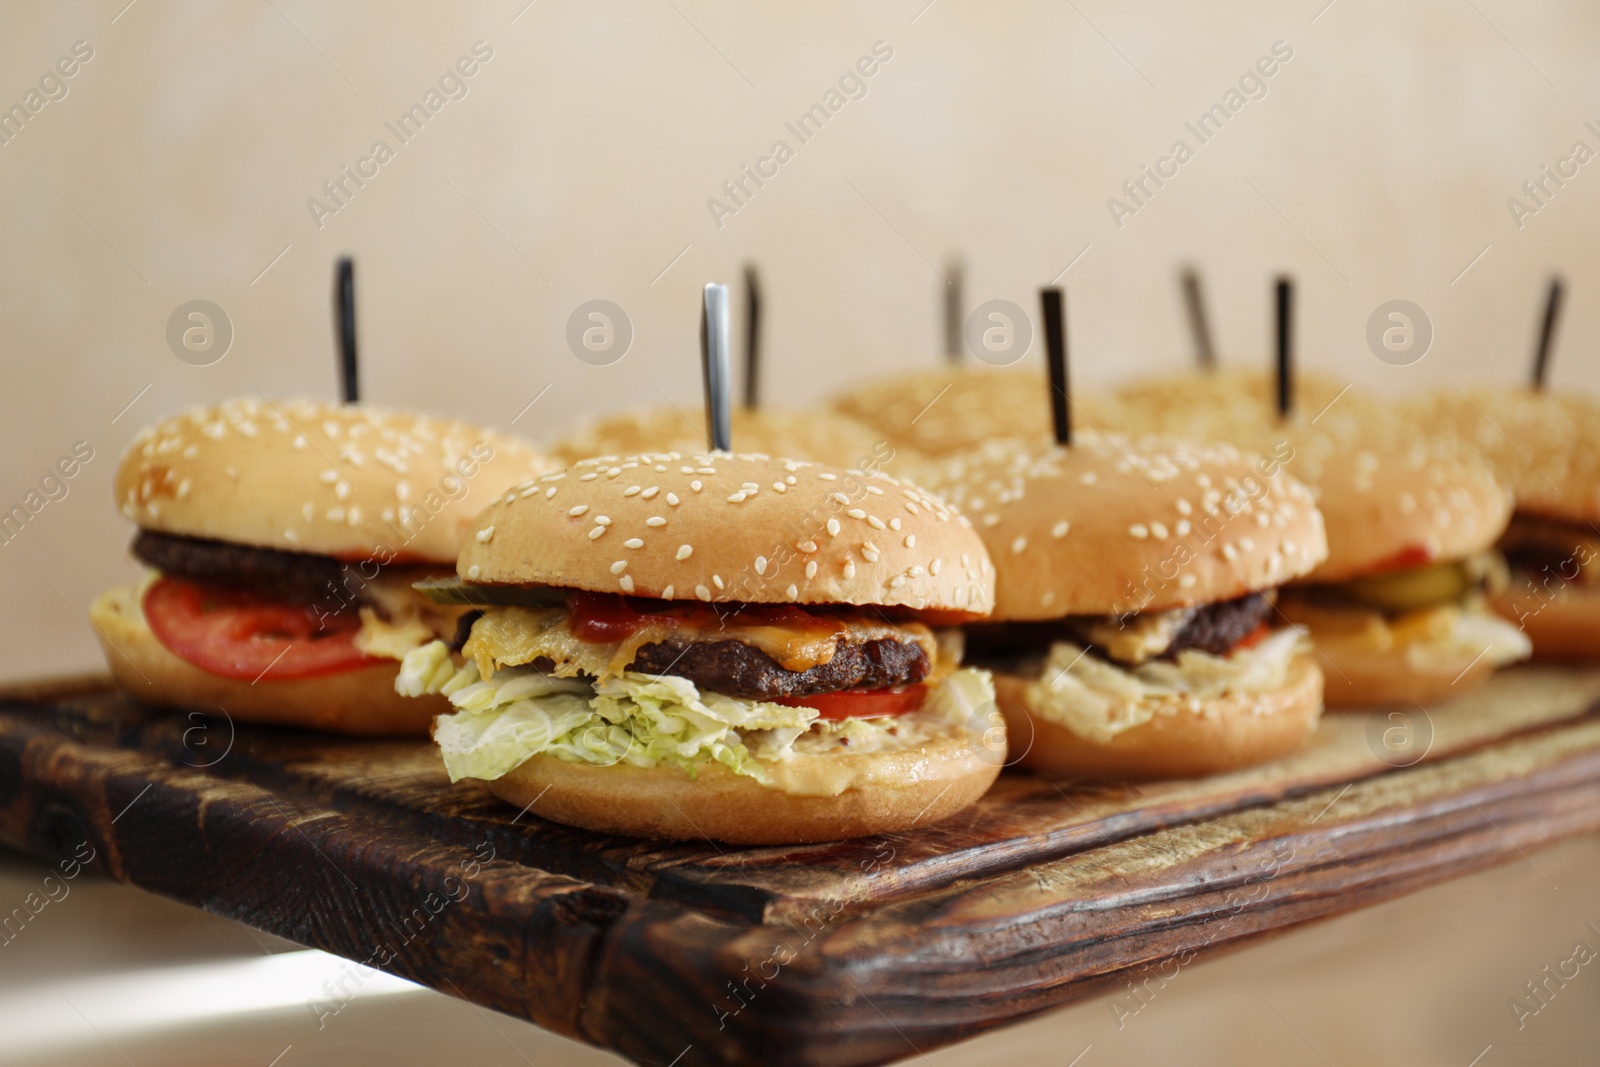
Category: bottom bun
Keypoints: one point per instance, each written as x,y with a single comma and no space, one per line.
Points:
1359,676
665,803
361,702
1182,739
1563,628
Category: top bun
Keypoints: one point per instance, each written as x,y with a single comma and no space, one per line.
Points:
940,412
1544,446
1393,497
1212,404
1113,525
818,436
743,527
307,476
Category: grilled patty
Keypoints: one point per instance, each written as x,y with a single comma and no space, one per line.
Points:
289,577
741,670
1214,628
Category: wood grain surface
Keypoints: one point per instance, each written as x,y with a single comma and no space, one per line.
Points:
851,953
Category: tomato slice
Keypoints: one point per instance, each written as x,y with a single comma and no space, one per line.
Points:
1254,637
236,634
861,703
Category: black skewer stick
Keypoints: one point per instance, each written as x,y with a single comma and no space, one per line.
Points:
1285,323
344,311
1052,302
1199,327
1547,332
954,282
752,338
714,366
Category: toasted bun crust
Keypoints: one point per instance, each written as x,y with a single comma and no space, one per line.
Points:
1181,740
740,527
1114,525
1358,676
360,702
818,436
908,789
951,409
1545,446
306,476
1563,628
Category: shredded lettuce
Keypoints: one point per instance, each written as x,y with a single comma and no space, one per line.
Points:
1098,699
649,720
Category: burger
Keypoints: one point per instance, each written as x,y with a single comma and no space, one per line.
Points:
281,541
936,413
722,646
1133,633
1545,447
1399,610
818,436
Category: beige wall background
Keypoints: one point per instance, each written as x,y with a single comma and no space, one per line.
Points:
577,166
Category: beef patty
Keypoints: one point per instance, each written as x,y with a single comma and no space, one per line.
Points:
1213,628
290,577
740,670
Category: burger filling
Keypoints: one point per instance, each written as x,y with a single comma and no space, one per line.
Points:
250,613
1549,559
1101,675
1434,615
601,679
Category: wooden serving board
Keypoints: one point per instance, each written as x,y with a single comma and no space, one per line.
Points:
859,952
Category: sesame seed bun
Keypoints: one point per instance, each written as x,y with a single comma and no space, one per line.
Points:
1544,446
359,702
742,527
1208,404
306,476
1113,525
818,436
1184,737
897,791
1390,494
951,409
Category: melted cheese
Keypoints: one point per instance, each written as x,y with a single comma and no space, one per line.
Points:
1137,638
513,636
402,619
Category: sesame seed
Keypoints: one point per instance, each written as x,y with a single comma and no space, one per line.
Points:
591,476
761,565
484,534
1089,478
1246,544
856,513
1187,581
876,523
596,532
825,476
602,520
716,580
685,551
619,566
633,542
474,570
696,485
702,592
833,527
1060,529
627,583
779,487
869,552
849,568
1139,530
672,499
840,498
1019,545
1230,553
933,568
807,546
1159,530
897,581
736,498
579,510
811,570
794,593
911,540
631,490
666,594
